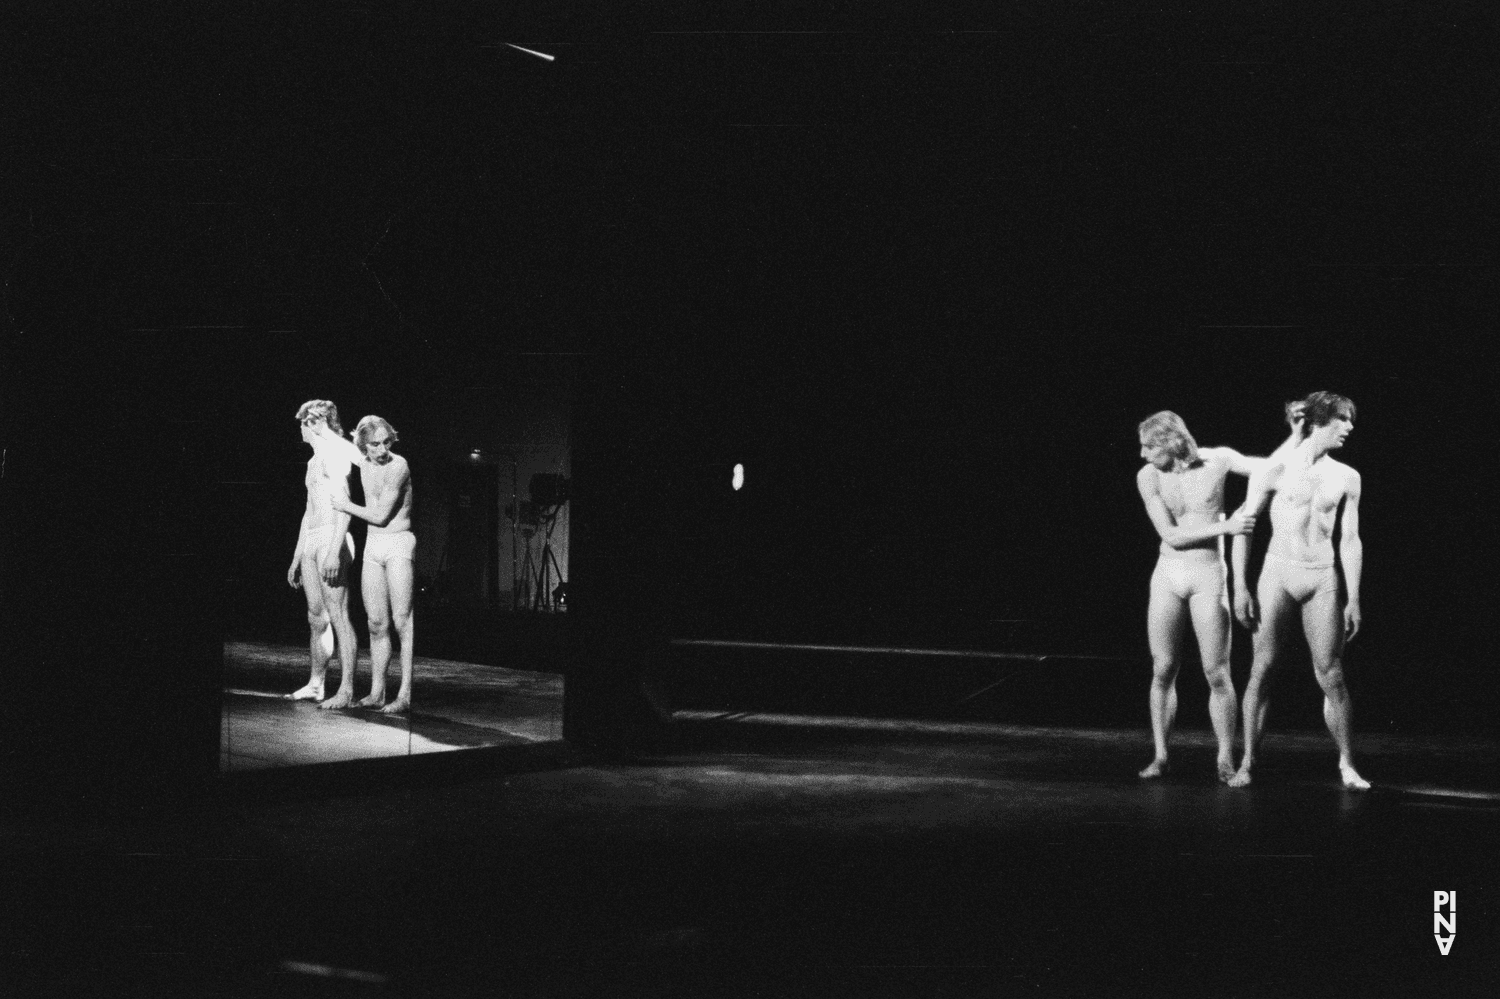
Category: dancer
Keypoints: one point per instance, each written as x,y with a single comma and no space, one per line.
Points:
325,552
390,551
1307,488
1182,487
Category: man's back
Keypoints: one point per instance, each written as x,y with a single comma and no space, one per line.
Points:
328,471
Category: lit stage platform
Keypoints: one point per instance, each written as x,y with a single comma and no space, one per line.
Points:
458,705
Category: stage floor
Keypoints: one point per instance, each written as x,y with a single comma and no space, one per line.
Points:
457,706
789,857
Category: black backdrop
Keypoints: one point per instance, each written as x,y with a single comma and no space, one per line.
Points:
927,272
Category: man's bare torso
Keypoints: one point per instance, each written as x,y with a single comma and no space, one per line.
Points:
327,474
1195,496
1305,508
377,479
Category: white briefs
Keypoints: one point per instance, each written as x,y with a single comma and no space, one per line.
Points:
317,539
1192,572
381,547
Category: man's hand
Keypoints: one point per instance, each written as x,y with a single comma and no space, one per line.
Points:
328,565
341,504
1351,621
294,575
1241,522
1295,419
1245,611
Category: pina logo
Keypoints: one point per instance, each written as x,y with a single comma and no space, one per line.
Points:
1444,923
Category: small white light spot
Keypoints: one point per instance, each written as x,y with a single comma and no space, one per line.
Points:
739,477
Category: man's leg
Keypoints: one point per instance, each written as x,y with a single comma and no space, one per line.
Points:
319,629
1276,607
1211,624
400,584
336,599
1324,627
373,590
1165,619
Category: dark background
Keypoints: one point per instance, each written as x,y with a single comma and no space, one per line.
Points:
922,273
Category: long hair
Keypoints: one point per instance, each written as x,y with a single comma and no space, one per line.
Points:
368,425
1166,430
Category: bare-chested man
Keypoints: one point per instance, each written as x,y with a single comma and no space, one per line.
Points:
325,552
1298,576
390,550
1183,489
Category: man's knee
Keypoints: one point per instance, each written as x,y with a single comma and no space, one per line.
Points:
317,619
1330,673
401,624
1217,675
1163,670
380,626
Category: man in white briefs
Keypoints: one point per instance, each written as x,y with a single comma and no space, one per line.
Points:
325,552
1182,487
390,550
1307,489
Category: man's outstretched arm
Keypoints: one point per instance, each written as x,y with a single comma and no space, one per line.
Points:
1249,465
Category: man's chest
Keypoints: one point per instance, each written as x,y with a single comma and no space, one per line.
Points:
1196,489
374,479
1315,489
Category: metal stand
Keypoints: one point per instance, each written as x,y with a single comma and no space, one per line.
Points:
544,598
528,569
515,563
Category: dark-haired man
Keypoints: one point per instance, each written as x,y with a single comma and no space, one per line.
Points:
1308,489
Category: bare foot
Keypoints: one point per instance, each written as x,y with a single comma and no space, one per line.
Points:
342,699
373,701
1154,769
1240,778
1352,780
1226,770
311,692
399,706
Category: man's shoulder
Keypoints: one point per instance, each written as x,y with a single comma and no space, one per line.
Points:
391,471
347,452
1346,473
337,459
1146,478
1217,457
